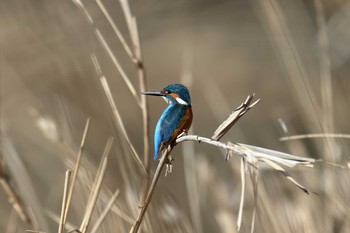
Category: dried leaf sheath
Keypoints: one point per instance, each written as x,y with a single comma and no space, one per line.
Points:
234,117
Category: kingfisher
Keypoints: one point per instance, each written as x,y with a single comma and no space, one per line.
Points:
176,118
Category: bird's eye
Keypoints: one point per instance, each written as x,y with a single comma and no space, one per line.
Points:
167,92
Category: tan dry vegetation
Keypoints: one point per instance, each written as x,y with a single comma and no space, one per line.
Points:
293,54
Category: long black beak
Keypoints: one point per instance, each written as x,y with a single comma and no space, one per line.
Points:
155,93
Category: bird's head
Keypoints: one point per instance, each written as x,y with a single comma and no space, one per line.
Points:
173,94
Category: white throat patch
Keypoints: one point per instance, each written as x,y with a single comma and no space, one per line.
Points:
166,100
181,101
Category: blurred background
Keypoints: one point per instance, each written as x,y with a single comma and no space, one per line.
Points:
294,55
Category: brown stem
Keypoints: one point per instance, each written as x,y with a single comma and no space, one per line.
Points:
145,204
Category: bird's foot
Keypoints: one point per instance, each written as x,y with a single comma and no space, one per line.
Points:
183,133
168,165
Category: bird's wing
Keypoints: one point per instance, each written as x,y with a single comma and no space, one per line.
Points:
168,123
173,121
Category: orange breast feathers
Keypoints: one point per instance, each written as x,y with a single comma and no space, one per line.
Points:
185,124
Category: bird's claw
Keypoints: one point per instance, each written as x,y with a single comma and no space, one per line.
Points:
184,133
168,165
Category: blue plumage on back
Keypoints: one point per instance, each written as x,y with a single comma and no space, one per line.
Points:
167,125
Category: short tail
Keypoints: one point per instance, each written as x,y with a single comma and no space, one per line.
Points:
156,156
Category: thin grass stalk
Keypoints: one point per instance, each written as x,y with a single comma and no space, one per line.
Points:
327,116
116,30
325,68
35,231
96,187
254,180
143,208
281,38
135,39
285,173
15,201
119,122
241,204
105,45
191,178
240,149
104,213
316,135
76,169
136,58
122,215
128,17
61,225
56,218
117,117
190,163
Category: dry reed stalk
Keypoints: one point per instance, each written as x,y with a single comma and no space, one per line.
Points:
138,61
251,154
15,200
122,215
115,29
330,146
104,213
56,218
241,203
75,171
96,187
117,117
108,50
234,117
143,208
14,162
317,135
277,28
35,231
325,69
61,225
192,184
253,172
189,151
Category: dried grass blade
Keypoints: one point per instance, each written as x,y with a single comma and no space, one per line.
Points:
135,227
24,185
234,117
15,200
135,39
122,215
116,30
128,16
35,231
119,122
117,65
61,225
286,174
253,171
316,135
56,218
96,187
293,159
105,212
241,204
105,45
76,169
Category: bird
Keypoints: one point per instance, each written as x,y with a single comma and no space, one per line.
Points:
176,118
